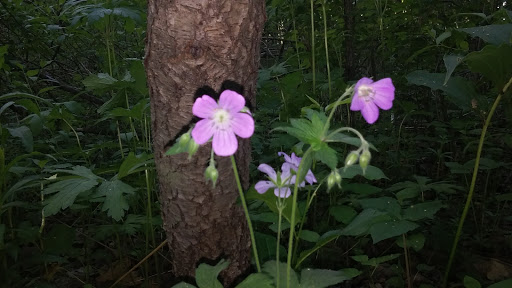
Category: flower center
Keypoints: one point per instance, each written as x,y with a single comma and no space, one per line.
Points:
366,92
222,119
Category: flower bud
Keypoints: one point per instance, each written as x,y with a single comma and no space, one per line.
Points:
333,179
192,148
364,159
352,158
184,139
211,173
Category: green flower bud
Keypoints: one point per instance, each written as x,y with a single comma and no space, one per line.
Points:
192,147
184,139
364,159
333,179
211,173
352,158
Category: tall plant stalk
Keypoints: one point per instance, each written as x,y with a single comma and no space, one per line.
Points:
473,181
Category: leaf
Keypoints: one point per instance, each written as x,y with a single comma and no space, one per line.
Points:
361,190
270,268
115,202
206,275
132,162
459,90
270,199
385,230
342,213
415,241
183,285
324,239
25,135
451,62
99,81
2,233
320,278
362,223
423,210
79,171
503,284
259,280
328,156
372,172
493,62
493,34
445,35
470,282
267,246
67,190
363,259
384,204
310,236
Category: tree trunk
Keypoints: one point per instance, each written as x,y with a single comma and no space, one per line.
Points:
191,44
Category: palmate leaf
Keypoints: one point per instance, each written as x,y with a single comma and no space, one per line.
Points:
206,275
67,191
115,202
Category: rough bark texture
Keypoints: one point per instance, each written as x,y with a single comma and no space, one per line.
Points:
191,44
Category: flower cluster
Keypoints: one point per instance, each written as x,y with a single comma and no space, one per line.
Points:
282,181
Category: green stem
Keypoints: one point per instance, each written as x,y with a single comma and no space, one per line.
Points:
280,209
326,50
313,46
247,217
473,182
292,220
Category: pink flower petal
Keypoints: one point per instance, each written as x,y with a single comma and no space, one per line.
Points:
370,112
243,125
204,106
357,102
286,157
231,101
295,160
224,142
262,186
384,93
283,192
310,177
203,131
268,170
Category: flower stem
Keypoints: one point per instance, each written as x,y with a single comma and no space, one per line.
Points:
473,182
247,217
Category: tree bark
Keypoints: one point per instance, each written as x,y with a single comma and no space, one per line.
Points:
192,44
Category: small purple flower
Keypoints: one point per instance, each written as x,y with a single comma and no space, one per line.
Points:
281,183
293,163
369,96
222,121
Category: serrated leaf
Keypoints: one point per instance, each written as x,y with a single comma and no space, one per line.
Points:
115,202
388,229
67,190
270,268
494,34
132,162
327,155
259,280
321,278
422,210
79,171
206,275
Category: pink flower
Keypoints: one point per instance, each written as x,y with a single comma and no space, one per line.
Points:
222,121
369,96
280,182
293,163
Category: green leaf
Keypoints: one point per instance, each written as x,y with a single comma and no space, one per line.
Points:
270,268
372,172
415,241
470,282
493,62
342,213
320,278
361,190
363,259
459,90
451,62
2,233
270,199
115,202
183,285
328,156
362,223
259,280
99,81
310,236
384,204
132,162
79,171
493,34
267,246
422,210
503,284
445,35
25,135
388,229
206,275
67,190
324,239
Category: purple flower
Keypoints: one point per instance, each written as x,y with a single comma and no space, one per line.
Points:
222,121
293,163
369,96
280,182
